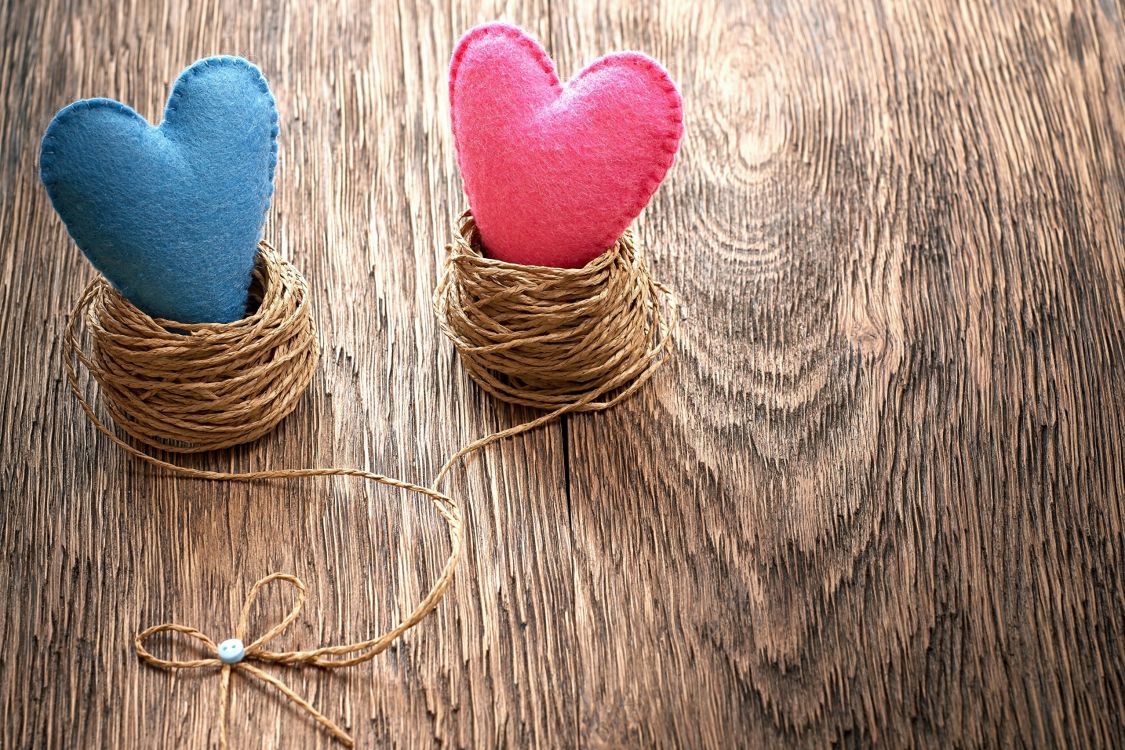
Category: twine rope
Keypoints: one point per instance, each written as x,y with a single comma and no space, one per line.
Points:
255,651
193,388
567,339
184,388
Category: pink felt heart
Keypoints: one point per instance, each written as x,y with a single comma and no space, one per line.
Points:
555,173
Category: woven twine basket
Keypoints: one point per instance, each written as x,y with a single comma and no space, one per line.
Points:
550,338
190,388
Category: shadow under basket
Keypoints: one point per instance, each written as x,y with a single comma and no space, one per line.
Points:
191,388
579,339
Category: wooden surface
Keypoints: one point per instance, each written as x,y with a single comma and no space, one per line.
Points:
877,498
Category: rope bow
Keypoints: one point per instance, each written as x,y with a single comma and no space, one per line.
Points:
235,658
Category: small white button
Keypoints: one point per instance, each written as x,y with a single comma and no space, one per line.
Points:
231,651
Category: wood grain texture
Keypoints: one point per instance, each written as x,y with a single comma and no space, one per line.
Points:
878,498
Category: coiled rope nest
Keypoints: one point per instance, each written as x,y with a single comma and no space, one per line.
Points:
577,339
190,388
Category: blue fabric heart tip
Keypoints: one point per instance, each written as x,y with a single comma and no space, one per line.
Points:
170,214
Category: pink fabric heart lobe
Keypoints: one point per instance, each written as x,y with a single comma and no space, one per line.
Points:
555,173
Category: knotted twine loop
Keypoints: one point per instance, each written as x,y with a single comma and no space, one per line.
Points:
568,339
255,651
633,334
192,371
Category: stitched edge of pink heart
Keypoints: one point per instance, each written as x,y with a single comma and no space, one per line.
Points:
660,76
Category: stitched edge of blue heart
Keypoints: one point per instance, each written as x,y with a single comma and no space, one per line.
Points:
115,261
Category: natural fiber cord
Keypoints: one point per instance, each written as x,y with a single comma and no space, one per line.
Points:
229,358
190,388
564,340
581,339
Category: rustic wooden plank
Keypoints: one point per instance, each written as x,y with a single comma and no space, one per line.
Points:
879,497
98,547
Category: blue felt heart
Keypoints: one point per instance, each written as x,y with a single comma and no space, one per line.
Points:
171,215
